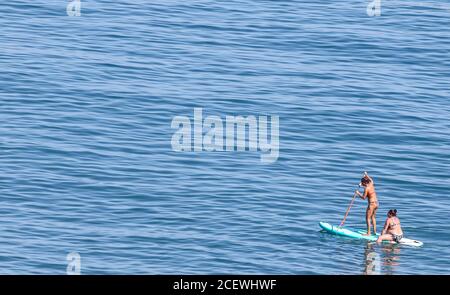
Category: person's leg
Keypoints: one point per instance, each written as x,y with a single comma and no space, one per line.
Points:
374,220
386,237
368,218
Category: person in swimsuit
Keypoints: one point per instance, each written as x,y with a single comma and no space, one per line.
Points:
392,229
371,196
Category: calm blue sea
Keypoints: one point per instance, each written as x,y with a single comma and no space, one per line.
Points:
87,166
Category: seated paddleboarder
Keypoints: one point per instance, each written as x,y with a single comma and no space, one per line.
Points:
392,230
371,196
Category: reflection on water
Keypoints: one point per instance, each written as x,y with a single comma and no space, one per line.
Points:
372,261
391,258
384,262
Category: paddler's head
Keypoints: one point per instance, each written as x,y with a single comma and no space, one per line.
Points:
365,181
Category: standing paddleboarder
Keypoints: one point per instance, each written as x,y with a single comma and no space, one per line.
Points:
371,196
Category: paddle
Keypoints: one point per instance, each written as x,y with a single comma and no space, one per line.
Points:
351,203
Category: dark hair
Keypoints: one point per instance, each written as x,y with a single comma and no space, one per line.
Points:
392,212
365,180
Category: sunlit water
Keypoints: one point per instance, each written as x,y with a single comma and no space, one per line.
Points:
86,161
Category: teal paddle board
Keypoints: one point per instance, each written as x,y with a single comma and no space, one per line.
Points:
359,234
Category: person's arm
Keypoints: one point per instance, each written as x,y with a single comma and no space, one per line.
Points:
362,196
368,177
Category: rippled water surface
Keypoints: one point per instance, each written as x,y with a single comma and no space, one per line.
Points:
86,162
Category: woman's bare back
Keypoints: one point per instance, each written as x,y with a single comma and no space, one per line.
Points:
371,194
394,226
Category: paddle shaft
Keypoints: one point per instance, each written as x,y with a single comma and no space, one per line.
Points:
348,209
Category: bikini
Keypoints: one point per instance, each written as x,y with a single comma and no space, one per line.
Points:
396,238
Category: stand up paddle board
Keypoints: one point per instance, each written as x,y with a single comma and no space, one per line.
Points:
359,234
